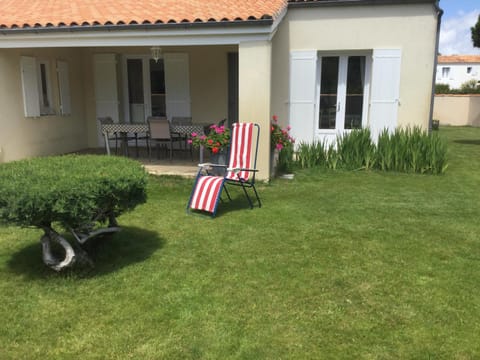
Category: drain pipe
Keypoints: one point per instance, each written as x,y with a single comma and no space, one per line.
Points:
435,63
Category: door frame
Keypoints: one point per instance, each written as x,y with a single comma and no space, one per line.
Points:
329,135
147,91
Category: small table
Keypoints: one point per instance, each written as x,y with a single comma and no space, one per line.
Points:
143,128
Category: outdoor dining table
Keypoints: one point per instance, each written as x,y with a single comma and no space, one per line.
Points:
136,129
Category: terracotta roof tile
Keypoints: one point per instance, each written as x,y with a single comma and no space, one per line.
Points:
43,13
443,59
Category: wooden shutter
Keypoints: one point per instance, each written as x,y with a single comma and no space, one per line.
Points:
177,85
64,88
303,65
385,90
31,97
106,92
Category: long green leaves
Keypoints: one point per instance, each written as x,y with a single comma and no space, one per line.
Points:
405,150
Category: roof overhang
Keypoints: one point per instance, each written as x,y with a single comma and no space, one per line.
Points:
315,3
177,34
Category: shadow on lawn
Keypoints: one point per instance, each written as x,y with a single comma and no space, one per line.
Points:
109,253
467,142
239,203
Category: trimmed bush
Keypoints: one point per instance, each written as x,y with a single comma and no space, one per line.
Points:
73,190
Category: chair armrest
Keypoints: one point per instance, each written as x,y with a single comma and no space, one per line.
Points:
242,169
211,164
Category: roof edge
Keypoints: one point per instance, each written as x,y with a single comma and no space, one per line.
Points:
318,3
145,26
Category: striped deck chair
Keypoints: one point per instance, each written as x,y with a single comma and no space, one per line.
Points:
241,170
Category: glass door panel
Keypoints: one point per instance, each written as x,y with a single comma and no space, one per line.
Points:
328,92
136,99
157,86
355,92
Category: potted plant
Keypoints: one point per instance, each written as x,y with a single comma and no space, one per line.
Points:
282,149
216,142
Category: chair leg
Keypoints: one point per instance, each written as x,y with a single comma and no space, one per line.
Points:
258,198
248,197
136,143
149,150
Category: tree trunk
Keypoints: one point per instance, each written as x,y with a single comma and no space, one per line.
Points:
48,258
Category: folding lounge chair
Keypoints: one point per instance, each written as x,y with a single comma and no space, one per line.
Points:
241,170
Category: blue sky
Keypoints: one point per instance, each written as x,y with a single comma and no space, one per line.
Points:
459,16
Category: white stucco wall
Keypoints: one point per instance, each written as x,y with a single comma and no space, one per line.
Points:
345,29
457,74
21,136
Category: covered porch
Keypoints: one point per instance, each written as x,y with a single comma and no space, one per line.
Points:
206,73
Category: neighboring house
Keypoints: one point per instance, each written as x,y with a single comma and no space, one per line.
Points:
322,66
455,70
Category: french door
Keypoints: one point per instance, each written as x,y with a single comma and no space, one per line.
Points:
342,87
145,88
157,88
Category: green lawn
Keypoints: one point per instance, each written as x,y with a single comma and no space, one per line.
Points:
353,265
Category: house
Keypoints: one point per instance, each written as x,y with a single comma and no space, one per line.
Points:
322,66
455,70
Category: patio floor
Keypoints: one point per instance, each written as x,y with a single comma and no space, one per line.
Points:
181,164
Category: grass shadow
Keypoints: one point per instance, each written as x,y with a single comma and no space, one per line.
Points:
109,253
467,142
238,203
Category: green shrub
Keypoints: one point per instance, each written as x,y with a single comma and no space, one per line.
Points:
404,150
442,89
72,190
356,150
468,87
285,160
311,155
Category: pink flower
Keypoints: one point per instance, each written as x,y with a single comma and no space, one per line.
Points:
289,128
275,118
194,134
279,146
219,130
203,137
189,141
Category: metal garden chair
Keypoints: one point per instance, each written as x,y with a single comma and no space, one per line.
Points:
241,170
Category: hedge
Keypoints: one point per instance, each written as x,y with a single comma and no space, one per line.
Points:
73,190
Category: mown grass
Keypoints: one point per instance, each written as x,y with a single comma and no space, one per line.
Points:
353,265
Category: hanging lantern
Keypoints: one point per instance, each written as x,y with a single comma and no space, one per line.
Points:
156,52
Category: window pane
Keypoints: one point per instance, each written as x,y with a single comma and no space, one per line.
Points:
43,79
355,86
157,84
328,92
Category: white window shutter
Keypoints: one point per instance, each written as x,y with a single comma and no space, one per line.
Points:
303,67
177,85
106,92
385,90
31,98
64,87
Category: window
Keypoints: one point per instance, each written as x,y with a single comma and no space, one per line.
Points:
45,91
445,72
469,70
36,87
342,87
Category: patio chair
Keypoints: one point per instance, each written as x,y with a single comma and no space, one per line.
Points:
159,133
107,120
181,120
207,189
